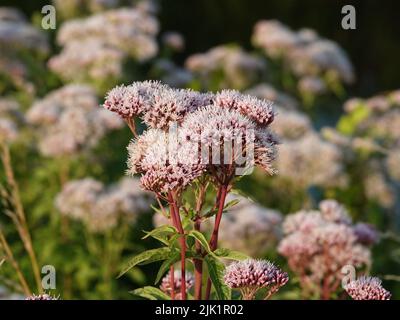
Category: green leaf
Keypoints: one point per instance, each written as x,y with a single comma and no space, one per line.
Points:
151,293
210,213
231,203
241,193
166,264
227,206
230,254
161,233
173,242
160,230
203,241
146,257
216,271
137,276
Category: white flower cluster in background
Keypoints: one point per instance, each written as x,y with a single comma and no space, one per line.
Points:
17,36
73,8
380,117
319,243
268,92
9,118
305,158
101,207
70,120
229,65
250,228
370,129
172,74
315,60
95,48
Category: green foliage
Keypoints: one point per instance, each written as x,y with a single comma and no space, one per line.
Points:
216,271
146,257
151,293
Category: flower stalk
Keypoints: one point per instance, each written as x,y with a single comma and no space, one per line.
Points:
178,225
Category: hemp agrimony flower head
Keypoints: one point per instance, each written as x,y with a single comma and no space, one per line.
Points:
166,286
133,100
157,104
44,296
228,137
206,132
165,163
251,275
318,244
258,110
170,165
171,106
367,288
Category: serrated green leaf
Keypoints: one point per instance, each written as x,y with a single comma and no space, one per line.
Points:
166,264
146,257
151,293
216,271
230,254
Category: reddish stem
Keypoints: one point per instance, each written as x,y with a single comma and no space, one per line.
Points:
223,190
172,281
171,269
198,266
175,212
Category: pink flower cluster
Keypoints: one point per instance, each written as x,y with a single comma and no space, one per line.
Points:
205,125
251,275
318,244
166,286
41,297
101,207
367,288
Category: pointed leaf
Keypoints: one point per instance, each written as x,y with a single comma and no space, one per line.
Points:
146,257
230,254
166,264
151,293
164,229
231,203
161,233
202,239
216,271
